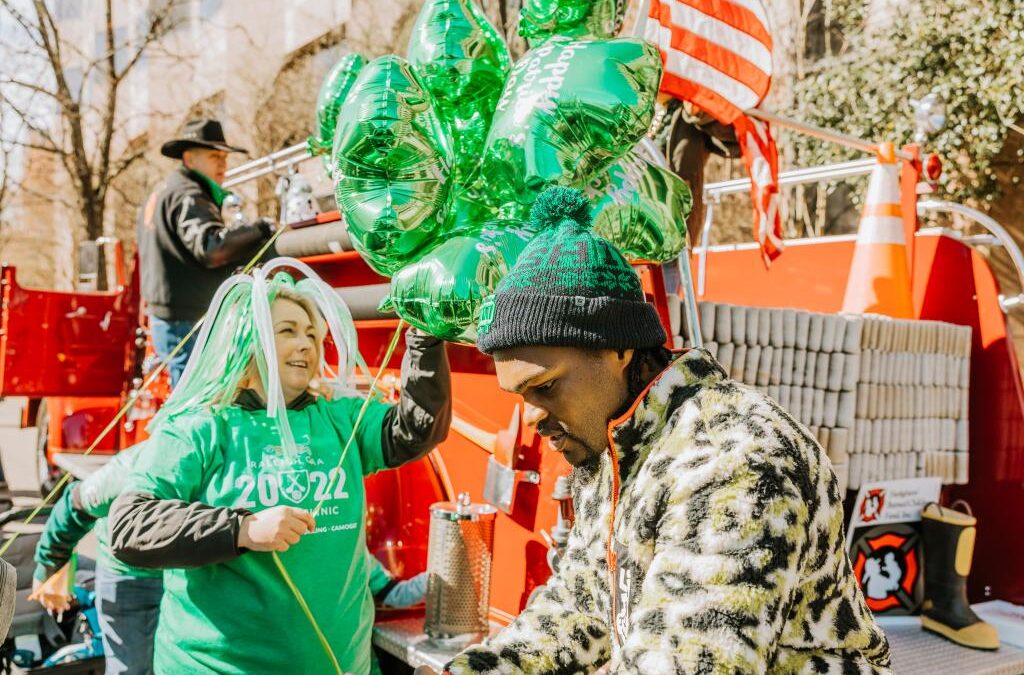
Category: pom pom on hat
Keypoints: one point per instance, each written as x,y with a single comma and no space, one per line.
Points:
560,205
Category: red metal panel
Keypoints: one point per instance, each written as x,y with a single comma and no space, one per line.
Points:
961,289
950,283
344,269
74,423
397,516
910,176
64,344
809,276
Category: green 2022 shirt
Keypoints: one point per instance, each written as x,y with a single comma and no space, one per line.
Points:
240,616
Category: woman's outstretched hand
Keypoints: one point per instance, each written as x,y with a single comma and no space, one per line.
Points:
275,529
53,593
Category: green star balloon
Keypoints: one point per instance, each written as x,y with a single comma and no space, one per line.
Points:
642,209
569,109
462,61
542,19
333,91
442,292
392,160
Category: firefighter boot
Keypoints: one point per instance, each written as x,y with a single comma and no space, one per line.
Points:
948,547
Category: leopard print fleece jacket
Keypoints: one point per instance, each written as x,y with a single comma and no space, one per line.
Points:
708,539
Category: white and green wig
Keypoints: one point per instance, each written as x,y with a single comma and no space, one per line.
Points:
238,332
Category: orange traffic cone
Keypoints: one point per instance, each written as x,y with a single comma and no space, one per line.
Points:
879,281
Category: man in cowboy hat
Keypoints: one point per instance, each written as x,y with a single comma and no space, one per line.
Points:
185,250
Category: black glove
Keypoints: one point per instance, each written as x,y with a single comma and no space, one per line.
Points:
266,225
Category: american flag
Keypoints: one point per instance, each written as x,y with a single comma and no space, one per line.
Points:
718,55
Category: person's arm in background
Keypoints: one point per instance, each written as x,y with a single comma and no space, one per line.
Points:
97,492
74,515
198,223
67,524
381,581
391,592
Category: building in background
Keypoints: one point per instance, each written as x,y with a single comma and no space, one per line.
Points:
255,64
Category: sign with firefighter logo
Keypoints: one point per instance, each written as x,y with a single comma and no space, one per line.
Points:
887,563
872,505
891,501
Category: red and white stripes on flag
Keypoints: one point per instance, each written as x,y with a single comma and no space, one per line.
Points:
718,55
762,162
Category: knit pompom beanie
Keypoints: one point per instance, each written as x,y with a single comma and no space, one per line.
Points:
569,288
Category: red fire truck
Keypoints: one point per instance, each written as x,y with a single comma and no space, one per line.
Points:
79,357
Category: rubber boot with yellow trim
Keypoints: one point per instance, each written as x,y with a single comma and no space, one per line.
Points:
948,548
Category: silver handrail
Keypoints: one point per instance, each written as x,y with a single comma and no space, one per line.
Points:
811,174
998,231
272,163
714,191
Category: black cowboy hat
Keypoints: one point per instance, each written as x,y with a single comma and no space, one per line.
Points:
201,133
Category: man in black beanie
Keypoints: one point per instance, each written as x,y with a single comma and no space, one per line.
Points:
708,534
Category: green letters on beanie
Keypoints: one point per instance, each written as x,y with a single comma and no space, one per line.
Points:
569,288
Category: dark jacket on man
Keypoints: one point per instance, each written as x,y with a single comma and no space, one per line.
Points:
185,250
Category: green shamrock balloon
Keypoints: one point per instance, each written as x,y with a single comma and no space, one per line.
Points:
333,91
642,209
569,109
462,61
542,19
392,160
442,292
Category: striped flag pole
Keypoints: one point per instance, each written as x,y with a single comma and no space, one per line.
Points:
824,134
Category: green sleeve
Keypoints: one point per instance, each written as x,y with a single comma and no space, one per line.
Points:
380,579
64,529
174,462
98,491
368,434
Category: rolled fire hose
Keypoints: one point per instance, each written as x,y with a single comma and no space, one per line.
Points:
314,240
363,301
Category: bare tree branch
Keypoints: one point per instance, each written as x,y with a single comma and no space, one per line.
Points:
158,27
6,174
31,30
125,162
31,86
48,196
110,109
70,108
82,174
51,144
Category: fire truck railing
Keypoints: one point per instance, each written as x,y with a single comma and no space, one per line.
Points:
713,192
268,164
997,235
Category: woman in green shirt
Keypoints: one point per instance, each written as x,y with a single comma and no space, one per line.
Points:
227,479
